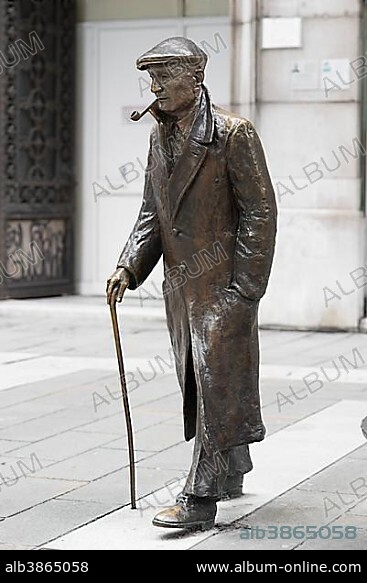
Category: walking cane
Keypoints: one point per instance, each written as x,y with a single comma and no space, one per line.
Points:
125,399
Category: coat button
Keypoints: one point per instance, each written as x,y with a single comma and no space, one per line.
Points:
175,231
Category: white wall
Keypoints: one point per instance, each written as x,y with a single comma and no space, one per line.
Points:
321,227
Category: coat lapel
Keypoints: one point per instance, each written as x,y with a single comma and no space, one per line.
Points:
184,172
159,153
193,154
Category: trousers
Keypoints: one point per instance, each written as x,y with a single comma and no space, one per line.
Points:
209,472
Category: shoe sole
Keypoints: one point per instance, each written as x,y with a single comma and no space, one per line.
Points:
226,496
207,525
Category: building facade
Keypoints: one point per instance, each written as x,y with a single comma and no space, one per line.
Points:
297,69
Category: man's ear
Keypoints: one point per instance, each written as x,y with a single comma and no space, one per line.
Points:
199,76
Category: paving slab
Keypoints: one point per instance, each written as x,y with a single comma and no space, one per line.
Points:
339,477
90,465
14,547
360,453
28,492
279,467
61,446
8,444
113,490
44,522
360,509
359,543
153,439
50,377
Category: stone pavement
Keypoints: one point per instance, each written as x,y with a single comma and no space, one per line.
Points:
63,449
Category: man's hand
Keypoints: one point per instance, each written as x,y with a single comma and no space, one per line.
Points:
117,284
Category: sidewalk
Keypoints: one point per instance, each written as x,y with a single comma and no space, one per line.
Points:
63,449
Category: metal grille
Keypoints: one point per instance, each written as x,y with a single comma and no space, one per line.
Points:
37,57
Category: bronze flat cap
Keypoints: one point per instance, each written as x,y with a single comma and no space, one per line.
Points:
173,49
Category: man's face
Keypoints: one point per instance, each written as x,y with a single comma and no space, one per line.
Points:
173,87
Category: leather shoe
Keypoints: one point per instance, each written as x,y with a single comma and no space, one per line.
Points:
189,512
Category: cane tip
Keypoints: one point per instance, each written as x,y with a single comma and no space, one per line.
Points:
135,116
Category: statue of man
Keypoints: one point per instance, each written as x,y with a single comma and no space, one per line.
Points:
209,208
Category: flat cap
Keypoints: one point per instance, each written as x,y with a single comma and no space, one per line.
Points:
173,49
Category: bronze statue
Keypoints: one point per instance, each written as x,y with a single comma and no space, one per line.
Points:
207,194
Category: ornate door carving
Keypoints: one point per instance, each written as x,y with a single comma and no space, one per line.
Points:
37,65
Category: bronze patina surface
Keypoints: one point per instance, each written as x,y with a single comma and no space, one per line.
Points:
209,209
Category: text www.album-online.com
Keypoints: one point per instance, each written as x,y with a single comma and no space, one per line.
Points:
303,567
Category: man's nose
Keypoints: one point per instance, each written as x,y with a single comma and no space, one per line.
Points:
155,87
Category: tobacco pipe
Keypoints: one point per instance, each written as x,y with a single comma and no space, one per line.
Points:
136,116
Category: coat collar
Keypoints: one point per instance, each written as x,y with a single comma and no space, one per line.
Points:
203,126
193,154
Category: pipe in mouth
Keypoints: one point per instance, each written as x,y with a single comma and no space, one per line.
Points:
136,115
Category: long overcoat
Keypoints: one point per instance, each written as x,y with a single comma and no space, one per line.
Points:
214,220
